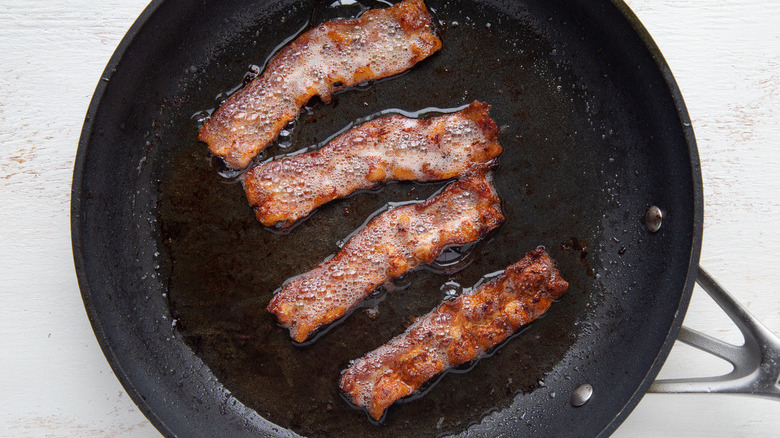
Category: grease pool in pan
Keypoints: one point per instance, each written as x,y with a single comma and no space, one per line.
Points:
225,265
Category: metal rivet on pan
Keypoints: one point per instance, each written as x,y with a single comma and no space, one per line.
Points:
581,395
653,218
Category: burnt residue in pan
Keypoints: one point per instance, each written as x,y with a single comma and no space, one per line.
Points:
225,265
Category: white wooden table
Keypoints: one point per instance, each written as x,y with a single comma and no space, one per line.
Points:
54,380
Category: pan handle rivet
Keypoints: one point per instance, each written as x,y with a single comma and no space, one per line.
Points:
581,395
653,218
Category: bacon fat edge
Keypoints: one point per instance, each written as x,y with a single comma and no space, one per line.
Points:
390,245
333,55
389,148
454,333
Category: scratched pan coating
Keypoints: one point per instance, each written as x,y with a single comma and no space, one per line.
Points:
176,272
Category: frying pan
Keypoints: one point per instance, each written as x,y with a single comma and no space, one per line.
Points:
175,272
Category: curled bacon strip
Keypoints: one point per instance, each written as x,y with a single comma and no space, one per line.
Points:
454,333
333,55
390,148
391,244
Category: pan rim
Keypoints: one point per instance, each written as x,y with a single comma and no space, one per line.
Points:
144,406
698,216
75,215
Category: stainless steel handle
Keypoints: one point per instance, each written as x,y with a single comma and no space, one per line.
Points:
756,363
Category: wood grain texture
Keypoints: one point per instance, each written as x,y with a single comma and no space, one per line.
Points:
54,379
725,55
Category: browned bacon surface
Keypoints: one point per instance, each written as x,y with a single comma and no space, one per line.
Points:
391,148
454,333
333,55
391,244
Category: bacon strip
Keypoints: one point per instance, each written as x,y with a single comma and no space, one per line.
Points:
333,55
391,244
391,148
454,333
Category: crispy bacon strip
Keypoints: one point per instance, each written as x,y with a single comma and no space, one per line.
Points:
391,244
333,55
454,333
391,148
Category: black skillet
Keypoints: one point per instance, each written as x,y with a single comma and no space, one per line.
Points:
175,271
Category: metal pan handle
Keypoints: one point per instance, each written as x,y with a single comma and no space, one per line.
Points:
756,363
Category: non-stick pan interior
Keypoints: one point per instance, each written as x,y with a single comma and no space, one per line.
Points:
176,272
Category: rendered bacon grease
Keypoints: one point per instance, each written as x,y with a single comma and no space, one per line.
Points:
391,244
390,148
333,55
454,333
